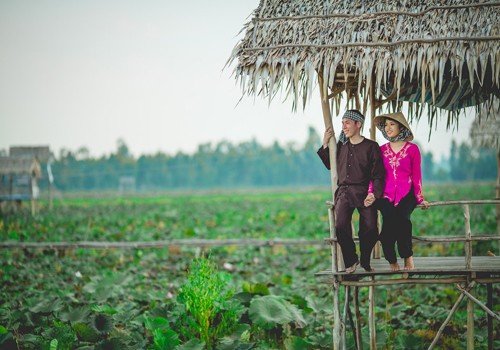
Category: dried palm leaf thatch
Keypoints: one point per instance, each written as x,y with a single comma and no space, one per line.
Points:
444,53
20,166
485,130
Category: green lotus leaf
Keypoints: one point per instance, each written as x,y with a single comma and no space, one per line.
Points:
270,310
74,315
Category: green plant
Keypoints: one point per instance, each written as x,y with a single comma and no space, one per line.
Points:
210,311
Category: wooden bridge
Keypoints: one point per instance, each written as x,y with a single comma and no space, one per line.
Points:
464,271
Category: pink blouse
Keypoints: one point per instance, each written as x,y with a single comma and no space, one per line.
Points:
402,171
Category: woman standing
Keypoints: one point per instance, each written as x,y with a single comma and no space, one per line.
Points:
403,188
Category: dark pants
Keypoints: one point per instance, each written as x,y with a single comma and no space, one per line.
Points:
368,231
397,227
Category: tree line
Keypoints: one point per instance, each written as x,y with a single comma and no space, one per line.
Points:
243,165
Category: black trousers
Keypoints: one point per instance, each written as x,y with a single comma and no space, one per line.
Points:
397,227
368,231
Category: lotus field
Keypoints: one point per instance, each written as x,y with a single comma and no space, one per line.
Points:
229,297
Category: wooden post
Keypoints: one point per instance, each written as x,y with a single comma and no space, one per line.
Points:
371,292
468,242
489,303
371,314
338,334
344,317
373,104
498,197
470,324
468,266
359,339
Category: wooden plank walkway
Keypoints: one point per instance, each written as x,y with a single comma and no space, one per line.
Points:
443,265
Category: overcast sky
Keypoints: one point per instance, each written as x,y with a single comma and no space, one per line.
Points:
87,73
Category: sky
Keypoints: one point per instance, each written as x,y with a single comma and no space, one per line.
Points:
87,73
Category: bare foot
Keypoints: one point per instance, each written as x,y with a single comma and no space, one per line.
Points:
352,268
409,264
395,267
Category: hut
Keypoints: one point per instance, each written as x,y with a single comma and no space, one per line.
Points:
18,180
43,155
438,56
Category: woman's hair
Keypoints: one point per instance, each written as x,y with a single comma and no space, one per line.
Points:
401,126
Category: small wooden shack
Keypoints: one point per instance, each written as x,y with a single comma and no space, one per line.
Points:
43,155
18,180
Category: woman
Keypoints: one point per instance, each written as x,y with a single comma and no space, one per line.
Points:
403,188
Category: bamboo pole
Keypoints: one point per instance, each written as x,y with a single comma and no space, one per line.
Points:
359,339
442,203
371,315
498,198
489,303
470,323
344,317
481,305
353,325
437,239
446,321
468,243
338,333
371,292
160,244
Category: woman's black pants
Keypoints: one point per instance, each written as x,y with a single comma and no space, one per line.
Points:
397,227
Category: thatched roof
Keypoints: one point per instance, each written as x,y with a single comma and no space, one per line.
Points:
485,130
41,153
20,166
442,52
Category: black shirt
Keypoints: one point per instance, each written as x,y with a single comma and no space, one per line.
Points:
357,166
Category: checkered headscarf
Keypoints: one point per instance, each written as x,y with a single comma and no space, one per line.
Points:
354,115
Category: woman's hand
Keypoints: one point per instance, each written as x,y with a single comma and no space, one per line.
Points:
425,205
369,200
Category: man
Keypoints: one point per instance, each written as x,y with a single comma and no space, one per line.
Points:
361,178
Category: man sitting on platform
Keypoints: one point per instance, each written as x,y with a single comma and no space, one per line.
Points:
359,162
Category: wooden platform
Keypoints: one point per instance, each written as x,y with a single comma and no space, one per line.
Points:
446,265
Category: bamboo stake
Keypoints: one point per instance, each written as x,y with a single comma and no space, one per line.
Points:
371,314
446,321
338,333
352,324
498,197
468,244
344,318
359,339
470,323
489,288
371,292
481,305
